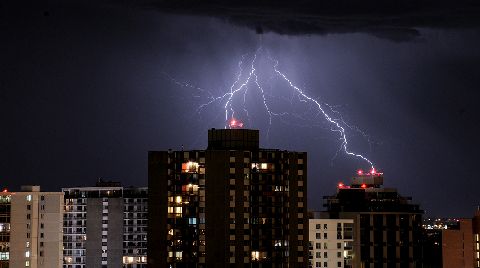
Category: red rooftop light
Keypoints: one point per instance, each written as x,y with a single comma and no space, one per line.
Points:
340,185
5,190
373,171
363,186
235,123
360,172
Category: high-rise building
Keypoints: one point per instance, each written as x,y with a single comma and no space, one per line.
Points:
387,226
105,226
331,243
231,205
31,228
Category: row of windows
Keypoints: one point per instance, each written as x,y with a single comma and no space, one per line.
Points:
325,264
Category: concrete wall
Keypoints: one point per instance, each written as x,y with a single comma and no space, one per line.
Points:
93,244
115,232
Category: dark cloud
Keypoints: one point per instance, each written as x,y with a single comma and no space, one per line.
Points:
396,21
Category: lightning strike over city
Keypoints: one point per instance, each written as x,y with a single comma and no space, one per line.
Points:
249,80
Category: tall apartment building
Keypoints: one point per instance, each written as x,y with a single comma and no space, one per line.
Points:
387,226
231,205
105,226
31,228
331,243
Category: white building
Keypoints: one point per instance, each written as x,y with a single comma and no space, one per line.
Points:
331,243
31,224
105,226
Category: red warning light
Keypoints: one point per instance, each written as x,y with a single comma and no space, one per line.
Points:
373,171
340,185
360,172
5,190
363,186
235,123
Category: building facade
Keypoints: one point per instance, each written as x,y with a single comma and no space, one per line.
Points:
476,238
231,205
387,226
31,228
105,226
450,243
331,243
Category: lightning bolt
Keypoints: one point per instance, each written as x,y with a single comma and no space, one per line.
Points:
247,76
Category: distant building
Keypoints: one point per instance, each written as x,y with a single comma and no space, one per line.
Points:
457,245
105,226
331,243
450,243
387,226
31,228
229,205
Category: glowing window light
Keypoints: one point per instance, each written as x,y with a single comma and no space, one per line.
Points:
178,199
190,167
255,255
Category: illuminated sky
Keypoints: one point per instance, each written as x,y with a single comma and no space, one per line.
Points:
83,95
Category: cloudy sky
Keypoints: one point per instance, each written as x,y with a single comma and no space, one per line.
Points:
87,89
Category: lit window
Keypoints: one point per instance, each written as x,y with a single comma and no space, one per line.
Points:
27,263
190,167
178,199
29,198
255,255
4,256
27,254
128,260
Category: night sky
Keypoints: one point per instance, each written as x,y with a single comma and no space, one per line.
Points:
85,93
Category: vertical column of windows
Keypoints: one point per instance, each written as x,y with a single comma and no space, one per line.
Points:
105,230
186,207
